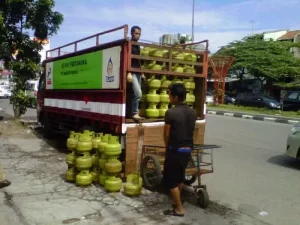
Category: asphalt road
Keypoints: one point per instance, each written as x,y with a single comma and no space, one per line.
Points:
251,173
4,103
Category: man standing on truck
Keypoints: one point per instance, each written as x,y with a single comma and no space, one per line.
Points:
136,77
178,137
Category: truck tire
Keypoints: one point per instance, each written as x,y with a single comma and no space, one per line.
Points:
47,132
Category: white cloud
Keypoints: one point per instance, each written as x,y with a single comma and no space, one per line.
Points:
220,25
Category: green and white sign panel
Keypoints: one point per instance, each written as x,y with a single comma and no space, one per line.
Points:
94,70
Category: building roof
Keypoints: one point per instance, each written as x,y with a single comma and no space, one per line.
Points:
274,31
289,35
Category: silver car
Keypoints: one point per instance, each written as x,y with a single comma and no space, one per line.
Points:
293,142
209,98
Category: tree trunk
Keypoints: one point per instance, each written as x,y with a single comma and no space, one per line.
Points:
241,75
17,113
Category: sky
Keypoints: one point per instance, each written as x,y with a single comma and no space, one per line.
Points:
219,21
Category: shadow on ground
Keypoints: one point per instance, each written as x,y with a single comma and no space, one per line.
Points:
58,142
285,161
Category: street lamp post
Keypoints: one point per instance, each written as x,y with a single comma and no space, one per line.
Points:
193,21
252,22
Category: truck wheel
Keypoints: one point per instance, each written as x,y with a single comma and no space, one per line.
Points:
47,132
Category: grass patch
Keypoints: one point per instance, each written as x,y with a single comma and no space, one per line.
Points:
12,127
255,110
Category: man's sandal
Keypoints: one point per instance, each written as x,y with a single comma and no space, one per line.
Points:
172,212
4,183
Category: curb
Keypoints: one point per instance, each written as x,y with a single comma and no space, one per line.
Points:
255,117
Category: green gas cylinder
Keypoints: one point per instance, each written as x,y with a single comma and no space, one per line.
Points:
84,178
84,161
190,87
95,159
95,175
72,140
190,57
164,97
84,143
96,140
70,174
113,166
113,184
103,177
189,69
177,68
145,51
103,143
153,98
133,185
113,148
71,159
189,84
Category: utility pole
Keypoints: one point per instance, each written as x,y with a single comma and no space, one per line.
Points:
252,22
193,21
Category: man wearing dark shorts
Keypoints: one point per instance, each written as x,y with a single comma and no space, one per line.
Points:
178,136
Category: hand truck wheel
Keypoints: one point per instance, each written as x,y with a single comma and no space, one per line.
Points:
203,198
151,172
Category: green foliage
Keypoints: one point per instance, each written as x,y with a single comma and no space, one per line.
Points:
19,19
182,40
264,59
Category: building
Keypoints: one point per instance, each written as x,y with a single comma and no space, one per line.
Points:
292,36
274,35
285,35
173,38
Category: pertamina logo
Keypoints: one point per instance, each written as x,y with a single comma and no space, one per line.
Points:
49,80
110,67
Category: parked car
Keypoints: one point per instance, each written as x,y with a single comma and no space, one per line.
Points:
5,91
228,99
256,100
209,98
31,92
293,142
291,101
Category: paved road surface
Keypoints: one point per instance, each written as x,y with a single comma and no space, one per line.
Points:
4,103
251,173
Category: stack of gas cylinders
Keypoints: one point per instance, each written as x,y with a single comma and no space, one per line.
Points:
94,159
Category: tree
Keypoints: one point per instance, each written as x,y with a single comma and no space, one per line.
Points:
271,60
20,19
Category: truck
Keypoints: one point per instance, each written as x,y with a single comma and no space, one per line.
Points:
88,89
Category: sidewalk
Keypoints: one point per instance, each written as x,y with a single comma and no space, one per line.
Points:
39,195
254,116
